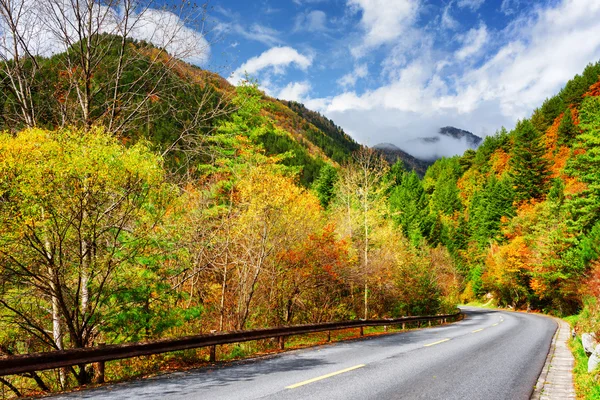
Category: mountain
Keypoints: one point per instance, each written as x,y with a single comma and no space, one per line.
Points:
472,140
393,153
418,154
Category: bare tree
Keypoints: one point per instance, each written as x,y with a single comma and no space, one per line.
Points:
19,27
362,180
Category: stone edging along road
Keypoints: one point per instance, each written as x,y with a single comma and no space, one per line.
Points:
556,378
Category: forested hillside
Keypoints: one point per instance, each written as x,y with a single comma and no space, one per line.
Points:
520,215
160,99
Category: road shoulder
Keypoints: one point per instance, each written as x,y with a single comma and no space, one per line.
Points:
556,378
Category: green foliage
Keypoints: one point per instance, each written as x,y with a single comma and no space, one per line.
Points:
331,138
488,206
567,130
500,140
529,168
324,185
586,384
408,206
80,209
585,207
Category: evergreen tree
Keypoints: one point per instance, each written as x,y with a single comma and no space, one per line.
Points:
529,167
489,205
324,185
408,203
567,130
585,208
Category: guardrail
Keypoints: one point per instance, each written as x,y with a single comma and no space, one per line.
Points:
58,359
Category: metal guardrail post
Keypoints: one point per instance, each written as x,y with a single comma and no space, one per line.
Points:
281,342
212,357
100,368
329,336
362,333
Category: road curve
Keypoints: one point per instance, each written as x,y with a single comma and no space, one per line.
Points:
489,355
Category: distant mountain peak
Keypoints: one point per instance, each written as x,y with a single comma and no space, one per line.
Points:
386,146
472,140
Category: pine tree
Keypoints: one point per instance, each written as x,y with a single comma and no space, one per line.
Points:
408,203
489,205
567,130
529,167
324,185
585,208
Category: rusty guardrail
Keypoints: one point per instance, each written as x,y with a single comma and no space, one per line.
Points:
58,359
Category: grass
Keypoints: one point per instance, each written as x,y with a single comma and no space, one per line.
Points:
586,384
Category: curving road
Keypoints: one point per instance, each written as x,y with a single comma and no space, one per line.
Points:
489,355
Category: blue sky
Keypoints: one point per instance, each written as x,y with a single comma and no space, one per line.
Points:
396,70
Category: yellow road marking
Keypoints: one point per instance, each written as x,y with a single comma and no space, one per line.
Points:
477,330
324,376
434,343
495,324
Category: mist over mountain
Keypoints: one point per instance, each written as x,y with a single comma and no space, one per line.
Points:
447,142
393,153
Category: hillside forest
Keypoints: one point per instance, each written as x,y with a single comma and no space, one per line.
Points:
142,197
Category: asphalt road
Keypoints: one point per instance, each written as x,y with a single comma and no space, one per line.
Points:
489,355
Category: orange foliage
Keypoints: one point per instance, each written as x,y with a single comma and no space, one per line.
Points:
468,184
551,137
574,186
592,284
559,161
499,162
594,90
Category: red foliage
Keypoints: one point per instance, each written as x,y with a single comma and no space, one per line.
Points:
594,90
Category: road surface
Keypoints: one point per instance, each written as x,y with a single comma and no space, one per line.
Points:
489,355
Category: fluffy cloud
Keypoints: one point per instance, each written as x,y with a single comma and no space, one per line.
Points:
295,91
167,30
276,59
349,80
529,61
383,21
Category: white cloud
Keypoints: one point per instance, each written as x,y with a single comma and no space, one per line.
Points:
313,21
167,30
448,22
256,32
295,91
473,42
472,4
509,7
349,80
383,21
529,61
276,59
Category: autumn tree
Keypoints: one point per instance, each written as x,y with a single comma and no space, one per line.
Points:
77,211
